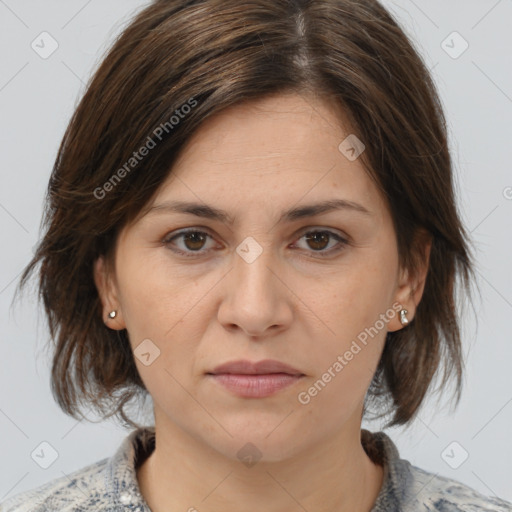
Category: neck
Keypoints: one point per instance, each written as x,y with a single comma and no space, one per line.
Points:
183,473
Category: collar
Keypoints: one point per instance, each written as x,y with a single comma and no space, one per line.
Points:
122,485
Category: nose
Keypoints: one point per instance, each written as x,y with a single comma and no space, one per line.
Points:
256,297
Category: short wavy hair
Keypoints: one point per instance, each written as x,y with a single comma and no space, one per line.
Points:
212,54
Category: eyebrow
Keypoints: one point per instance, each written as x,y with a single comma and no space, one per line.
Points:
300,212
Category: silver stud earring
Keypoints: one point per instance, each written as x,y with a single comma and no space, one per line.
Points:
112,314
403,318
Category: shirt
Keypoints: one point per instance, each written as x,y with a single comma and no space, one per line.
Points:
110,485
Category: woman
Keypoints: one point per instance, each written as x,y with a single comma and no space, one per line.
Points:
251,220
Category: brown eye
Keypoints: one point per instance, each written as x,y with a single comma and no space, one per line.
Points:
194,240
318,240
191,243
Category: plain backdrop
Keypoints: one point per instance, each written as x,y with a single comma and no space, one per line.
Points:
473,72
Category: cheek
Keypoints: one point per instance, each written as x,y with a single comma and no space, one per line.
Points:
153,296
356,307
166,307
345,361
356,297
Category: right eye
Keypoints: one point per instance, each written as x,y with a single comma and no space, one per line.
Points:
191,242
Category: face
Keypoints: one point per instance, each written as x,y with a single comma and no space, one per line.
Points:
316,291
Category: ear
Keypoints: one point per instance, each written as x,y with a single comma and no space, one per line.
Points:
108,294
411,284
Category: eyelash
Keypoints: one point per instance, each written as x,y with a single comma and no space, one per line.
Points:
194,254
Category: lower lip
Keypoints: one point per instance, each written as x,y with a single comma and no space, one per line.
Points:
255,386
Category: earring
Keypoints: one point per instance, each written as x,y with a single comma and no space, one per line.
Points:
403,318
112,314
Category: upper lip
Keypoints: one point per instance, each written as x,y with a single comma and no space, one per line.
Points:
265,366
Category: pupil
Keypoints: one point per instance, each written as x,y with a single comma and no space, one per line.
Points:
315,239
320,238
196,238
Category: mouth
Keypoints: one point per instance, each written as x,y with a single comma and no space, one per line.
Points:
255,380
264,367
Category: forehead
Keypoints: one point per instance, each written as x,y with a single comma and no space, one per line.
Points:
279,127
269,154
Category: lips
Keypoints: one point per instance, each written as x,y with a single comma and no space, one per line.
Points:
264,367
261,379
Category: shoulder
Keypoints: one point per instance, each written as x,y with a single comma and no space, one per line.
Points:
409,488
433,492
103,486
82,490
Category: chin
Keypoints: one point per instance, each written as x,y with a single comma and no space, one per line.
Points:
260,441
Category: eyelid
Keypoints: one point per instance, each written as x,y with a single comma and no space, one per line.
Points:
334,231
180,232
342,239
342,242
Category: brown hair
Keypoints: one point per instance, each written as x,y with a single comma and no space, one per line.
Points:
211,54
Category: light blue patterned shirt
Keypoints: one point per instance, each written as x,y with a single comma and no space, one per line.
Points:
110,485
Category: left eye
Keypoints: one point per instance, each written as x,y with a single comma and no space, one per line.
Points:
318,240
193,241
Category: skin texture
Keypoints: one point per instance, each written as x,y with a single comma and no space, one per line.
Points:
291,304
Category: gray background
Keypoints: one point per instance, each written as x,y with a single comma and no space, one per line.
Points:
37,98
